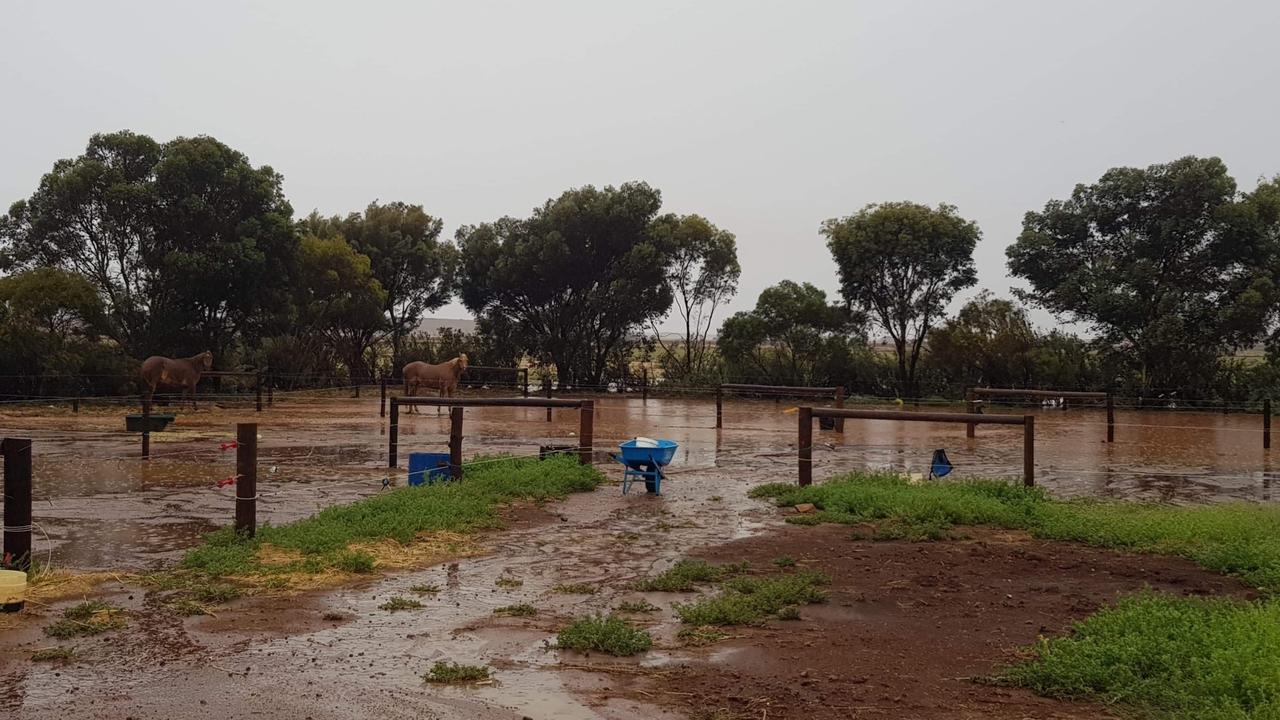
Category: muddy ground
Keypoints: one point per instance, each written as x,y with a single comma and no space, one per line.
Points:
906,629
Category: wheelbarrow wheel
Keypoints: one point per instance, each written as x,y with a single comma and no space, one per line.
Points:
650,482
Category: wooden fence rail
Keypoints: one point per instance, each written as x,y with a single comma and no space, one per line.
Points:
804,443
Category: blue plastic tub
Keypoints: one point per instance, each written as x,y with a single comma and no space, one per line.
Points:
427,467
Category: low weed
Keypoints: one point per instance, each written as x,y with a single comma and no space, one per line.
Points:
425,589
397,603
636,606
750,600
53,654
785,561
508,582
700,636
87,618
575,589
456,673
186,607
607,634
520,610
685,574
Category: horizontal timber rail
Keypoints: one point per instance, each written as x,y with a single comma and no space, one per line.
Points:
804,443
586,422
834,392
972,394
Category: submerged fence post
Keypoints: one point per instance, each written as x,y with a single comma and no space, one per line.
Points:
17,502
393,432
840,405
804,445
644,385
246,479
1266,423
382,402
970,406
1029,450
719,407
586,431
455,443
1111,418
146,428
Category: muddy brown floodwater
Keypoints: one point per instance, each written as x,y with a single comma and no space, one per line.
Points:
102,507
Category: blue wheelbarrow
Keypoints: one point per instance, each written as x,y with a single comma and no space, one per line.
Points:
644,462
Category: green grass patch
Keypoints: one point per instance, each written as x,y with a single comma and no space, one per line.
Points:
1237,538
607,634
751,600
636,606
685,575
455,673
1170,657
785,561
520,610
575,589
399,603
87,618
53,654
323,539
508,582
186,607
425,589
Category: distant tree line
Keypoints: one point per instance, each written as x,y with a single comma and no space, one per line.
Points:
138,247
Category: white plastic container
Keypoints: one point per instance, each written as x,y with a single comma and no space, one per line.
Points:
644,442
13,589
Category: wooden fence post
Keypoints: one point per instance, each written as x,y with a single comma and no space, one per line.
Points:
586,431
393,432
524,380
382,403
17,502
970,406
246,479
146,428
455,443
257,389
271,392
804,445
546,385
1266,423
644,385
75,404
840,405
719,407
1029,450
1111,418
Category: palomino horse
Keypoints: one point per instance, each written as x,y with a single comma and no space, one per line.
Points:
444,376
163,372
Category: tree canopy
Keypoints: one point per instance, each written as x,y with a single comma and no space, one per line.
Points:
792,337
703,274
186,242
571,280
339,299
1170,265
902,262
402,242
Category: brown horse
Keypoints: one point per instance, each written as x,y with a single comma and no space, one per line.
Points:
163,372
444,376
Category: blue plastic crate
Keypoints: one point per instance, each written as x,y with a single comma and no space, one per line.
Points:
427,467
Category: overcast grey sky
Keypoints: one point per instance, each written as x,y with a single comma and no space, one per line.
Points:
765,117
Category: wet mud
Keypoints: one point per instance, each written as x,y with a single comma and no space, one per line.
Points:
335,654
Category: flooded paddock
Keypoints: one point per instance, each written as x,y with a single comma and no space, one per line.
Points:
102,505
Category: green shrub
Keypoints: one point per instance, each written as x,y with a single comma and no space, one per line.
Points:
611,635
